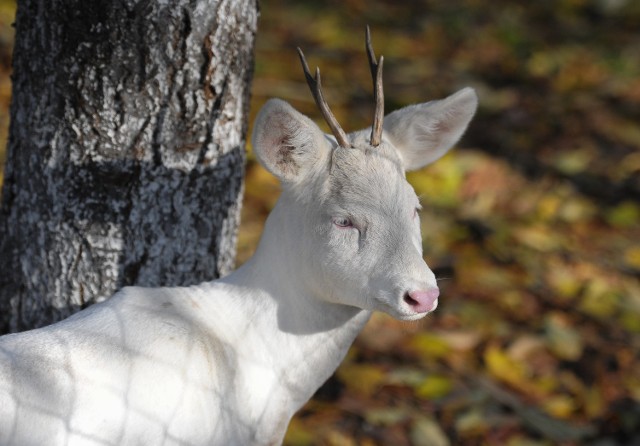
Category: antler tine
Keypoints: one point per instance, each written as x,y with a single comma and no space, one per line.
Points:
315,85
378,93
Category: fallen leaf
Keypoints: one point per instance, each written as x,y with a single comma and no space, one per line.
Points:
337,438
298,434
461,340
519,440
525,346
625,215
632,257
406,377
562,339
385,416
434,387
599,300
503,367
563,279
429,345
560,406
541,238
470,423
362,378
427,432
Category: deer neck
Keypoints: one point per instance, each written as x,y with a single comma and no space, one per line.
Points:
308,335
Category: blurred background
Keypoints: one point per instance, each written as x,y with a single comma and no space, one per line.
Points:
532,224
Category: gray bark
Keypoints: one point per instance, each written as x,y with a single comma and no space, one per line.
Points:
126,149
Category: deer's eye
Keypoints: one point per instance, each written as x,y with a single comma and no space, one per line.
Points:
342,222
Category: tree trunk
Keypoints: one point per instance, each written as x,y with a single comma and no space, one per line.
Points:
126,149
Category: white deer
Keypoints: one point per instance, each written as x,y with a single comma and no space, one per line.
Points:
229,362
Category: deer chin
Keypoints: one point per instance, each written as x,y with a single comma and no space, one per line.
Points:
406,313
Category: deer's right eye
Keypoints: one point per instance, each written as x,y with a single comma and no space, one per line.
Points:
342,222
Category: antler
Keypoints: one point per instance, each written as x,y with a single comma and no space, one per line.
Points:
378,94
316,89
376,73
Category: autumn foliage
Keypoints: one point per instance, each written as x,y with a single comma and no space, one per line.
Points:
532,225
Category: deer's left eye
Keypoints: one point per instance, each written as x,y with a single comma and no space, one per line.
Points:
342,222
415,212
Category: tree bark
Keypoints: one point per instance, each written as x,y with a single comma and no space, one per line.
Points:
126,149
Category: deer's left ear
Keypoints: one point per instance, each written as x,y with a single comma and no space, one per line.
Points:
422,133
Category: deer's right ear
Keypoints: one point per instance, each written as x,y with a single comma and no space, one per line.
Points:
422,133
286,142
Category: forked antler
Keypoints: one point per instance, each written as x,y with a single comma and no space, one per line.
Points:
316,89
378,93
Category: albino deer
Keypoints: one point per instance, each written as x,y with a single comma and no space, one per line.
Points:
229,362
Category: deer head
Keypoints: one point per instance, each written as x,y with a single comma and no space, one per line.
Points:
348,216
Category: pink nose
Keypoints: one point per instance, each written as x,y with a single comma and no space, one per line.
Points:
422,301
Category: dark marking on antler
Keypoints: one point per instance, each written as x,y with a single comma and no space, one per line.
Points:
315,85
378,93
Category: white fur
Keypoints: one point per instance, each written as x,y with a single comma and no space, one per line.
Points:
230,361
436,125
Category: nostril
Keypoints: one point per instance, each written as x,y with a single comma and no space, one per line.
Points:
422,301
410,300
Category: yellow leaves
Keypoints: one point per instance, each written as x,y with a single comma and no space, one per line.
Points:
513,368
337,438
560,406
577,209
593,402
574,161
562,204
364,379
538,237
541,64
434,387
548,206
630,164
504,368
633,384
426,385
519,440
471,423
599,299
563,279
542,244
386,416
631,322
7,16
524,347
617,128
624,215
482,274
427,432
298,434
569,68
429,345
632,257
261,186
460,340
562,338
440,182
